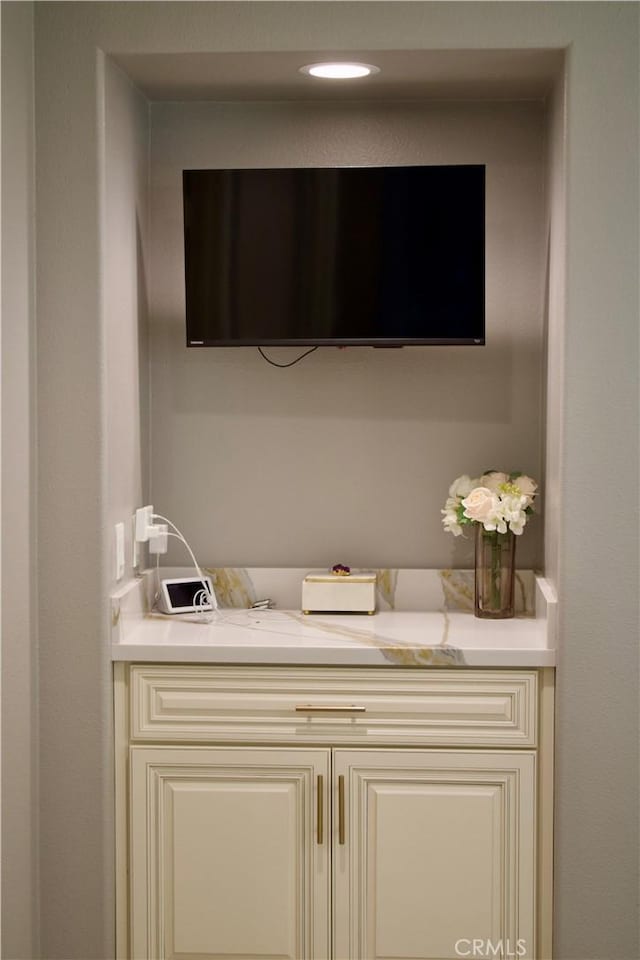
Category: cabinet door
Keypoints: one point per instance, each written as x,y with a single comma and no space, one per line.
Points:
433,850
229,853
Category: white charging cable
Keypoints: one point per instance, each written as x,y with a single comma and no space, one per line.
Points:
204,599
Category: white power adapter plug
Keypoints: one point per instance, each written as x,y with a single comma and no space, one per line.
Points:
158,538
144,523
156,534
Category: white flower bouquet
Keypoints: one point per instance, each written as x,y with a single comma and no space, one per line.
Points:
498,505
501,502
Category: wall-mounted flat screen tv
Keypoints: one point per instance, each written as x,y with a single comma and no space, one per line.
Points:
378,256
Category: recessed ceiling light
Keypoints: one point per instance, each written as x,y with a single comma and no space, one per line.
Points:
339,71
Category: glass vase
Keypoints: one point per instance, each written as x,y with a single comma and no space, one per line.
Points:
495,573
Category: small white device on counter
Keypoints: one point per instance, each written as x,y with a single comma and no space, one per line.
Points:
185,595
328,592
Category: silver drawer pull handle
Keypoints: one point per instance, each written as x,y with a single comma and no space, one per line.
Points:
327,708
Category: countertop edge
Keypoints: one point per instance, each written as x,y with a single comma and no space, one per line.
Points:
321,657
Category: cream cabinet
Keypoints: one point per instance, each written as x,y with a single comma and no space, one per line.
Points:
339,813
438,849
228,857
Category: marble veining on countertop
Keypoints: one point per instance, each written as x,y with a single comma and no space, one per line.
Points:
424,619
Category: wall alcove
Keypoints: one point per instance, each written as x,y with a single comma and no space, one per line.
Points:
248,459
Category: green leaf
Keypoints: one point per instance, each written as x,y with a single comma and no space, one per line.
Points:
514,476
462,520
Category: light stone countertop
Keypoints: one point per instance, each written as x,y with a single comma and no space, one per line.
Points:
449,636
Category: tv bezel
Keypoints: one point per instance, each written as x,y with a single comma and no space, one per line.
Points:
381,342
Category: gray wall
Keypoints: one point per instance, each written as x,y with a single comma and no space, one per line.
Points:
555,302
597,688
597,799
125,162
19,699
349,454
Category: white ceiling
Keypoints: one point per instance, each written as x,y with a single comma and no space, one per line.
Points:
405,75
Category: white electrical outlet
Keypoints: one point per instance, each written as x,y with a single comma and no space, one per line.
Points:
158,539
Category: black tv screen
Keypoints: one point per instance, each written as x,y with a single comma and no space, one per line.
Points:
381,256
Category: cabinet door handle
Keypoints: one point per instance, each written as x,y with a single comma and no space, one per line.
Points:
320,811
341,809
328,708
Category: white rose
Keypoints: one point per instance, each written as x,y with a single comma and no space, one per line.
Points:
493,480
481,504
462,487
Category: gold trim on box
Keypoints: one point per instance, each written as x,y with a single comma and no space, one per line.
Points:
336,578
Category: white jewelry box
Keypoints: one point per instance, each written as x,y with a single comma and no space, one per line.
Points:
324,592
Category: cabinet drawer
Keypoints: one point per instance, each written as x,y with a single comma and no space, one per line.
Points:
341,705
